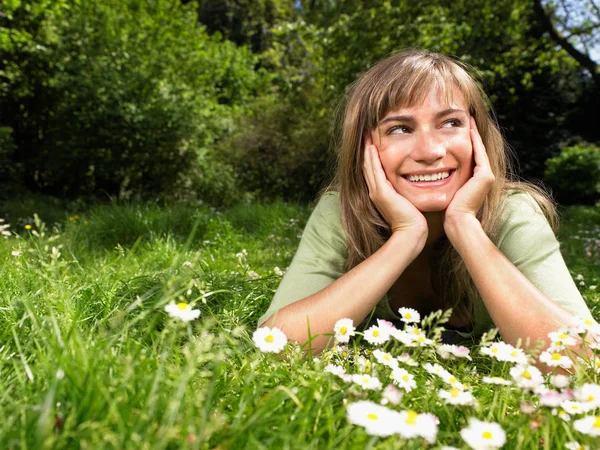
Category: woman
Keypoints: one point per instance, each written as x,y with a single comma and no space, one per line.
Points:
422,214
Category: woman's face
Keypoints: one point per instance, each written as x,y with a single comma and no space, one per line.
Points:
426,151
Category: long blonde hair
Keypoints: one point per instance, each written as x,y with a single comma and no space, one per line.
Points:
404,80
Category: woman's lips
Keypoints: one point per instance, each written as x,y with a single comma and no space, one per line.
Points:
431,184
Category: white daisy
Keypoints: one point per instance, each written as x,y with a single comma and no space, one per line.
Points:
385,358
269,340
527,377
496,380
343,329
182,311
404,379
588,395
409,315
560,381
551,398
405,358
392,395
563,338
412,424
367,381
481,435
576,446
505,352
572,407
376,419
556,360
589,425
448,351
376,335
457,397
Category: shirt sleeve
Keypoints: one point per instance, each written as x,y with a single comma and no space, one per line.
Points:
526,239
320,258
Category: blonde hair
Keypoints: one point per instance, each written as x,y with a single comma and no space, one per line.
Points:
403,80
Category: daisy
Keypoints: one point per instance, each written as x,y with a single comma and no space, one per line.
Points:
588,395
481,435
526,377
391,395
409,315
404,379
572,407
551,398
412,424
562,338
385,358
376,335
343,329
447,377
576,446
367,381
560,381
589,425
448,351
182,311
376,419
269,339
406,359
457,397
505,352
335,370
556,360
496,380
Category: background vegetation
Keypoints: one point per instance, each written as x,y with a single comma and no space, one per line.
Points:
208,100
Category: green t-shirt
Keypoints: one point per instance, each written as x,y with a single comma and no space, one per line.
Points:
523,236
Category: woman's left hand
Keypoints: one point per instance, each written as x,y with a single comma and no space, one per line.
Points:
470,197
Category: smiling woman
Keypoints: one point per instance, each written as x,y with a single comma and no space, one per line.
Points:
424,214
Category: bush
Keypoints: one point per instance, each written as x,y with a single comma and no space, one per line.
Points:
126,98
281,151
574,174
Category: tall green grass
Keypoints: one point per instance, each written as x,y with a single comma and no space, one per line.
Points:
89,359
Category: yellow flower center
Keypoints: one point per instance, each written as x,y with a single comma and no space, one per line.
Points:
344,354
343,330
411,418
452,380
405,377
269,338
558,343
454,392
513,353
182,306
28,227
590,398
417,331
563,335
375,333
597,422
526,375
407,316
387,357
372,416
495,350
556,356
486,435
588,322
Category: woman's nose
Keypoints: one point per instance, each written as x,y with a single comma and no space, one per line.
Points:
427,149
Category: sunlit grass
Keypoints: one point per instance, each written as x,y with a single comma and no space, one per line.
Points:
90,359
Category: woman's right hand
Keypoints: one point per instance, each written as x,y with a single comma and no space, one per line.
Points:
399,213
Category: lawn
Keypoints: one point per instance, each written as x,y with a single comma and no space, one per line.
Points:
90,359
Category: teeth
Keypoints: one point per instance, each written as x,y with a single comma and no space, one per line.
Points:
429,177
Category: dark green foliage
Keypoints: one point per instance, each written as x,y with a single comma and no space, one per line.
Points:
282,150
128,98
574,174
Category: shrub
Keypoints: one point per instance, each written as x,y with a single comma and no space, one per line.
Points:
281,151
125,100
574,174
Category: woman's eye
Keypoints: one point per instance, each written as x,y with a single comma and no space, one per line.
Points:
398,129
453,123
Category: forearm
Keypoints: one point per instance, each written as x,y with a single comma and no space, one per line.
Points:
351,296
517,307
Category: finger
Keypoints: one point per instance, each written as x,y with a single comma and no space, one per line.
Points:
479,150
368,138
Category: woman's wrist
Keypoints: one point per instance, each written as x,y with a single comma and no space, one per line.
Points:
459,228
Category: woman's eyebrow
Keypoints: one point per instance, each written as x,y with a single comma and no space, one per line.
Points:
411,118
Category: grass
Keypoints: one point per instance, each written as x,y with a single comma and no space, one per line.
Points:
89,359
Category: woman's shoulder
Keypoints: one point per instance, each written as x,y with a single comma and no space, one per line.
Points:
327,215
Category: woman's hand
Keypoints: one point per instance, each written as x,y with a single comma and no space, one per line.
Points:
470,197
399,213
